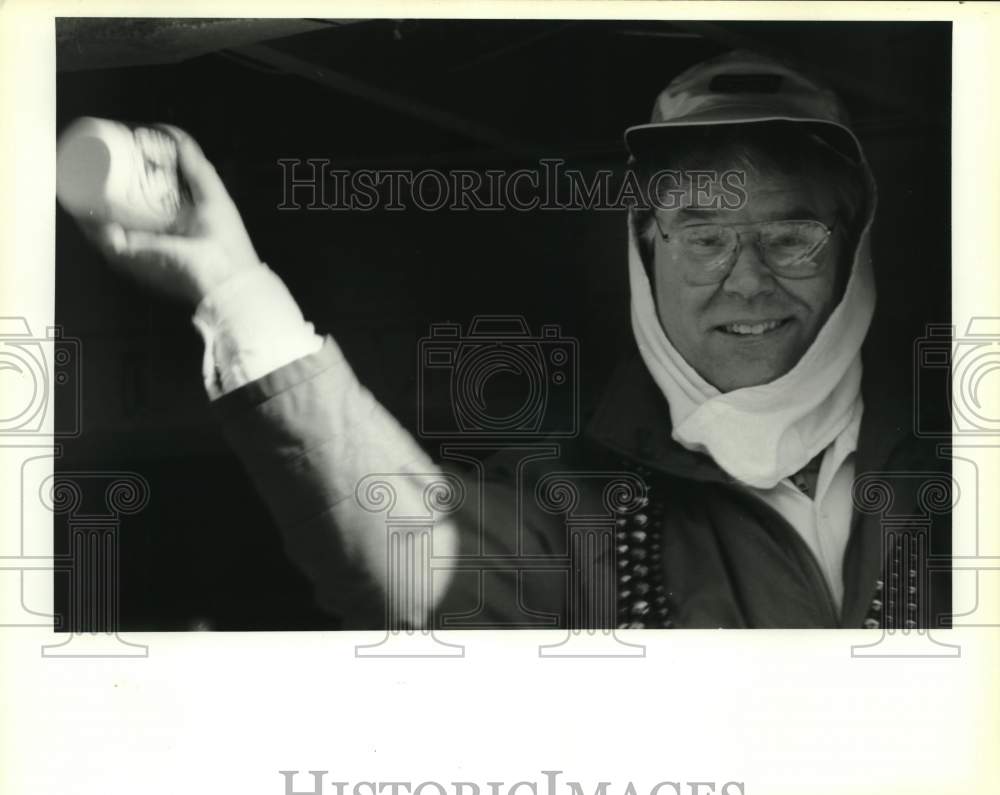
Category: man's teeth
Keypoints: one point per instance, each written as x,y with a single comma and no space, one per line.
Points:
756,328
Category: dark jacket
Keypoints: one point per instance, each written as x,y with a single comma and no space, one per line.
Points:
543,546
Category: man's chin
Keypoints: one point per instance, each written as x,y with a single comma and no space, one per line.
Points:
732,373
744,360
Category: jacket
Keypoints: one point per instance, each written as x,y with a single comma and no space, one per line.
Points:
543,543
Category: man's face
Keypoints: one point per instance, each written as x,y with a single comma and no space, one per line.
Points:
717,327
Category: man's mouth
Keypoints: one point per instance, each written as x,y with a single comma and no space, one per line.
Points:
753,329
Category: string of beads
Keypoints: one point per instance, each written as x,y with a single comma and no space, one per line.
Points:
643,598
642,594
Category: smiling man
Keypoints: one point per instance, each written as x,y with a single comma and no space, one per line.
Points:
750,321
742,414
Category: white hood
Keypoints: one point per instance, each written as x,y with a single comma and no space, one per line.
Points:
763,434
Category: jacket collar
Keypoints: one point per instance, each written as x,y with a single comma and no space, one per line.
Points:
633,420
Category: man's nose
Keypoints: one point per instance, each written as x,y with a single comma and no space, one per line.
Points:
749,277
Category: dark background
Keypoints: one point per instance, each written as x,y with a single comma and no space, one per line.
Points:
502,94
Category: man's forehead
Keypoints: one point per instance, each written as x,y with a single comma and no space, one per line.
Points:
756,198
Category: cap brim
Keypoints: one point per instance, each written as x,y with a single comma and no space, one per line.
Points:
648,137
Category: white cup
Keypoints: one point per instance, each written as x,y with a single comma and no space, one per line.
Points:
107,171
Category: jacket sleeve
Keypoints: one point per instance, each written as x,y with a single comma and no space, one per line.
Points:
308,433
322,452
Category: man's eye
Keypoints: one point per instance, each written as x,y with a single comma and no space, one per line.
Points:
705,239
789,240
791,236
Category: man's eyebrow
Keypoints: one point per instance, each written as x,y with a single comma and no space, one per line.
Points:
707,214
799,212
697,213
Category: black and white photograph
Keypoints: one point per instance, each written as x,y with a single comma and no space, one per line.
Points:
509,324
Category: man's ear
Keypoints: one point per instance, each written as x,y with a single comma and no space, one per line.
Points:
851,239
641,223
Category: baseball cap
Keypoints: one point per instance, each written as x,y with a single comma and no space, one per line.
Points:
744,87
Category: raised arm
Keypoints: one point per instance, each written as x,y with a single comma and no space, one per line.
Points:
292,408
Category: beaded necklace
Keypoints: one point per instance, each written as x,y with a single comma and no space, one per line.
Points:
642,596
642,593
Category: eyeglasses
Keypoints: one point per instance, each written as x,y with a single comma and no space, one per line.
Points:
788,248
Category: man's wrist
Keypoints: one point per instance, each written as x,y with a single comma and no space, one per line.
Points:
212,281
251,326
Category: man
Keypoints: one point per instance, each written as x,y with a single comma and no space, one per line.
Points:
736,435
